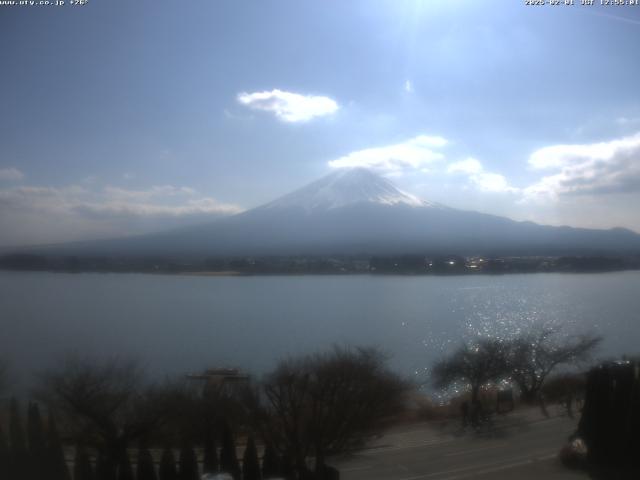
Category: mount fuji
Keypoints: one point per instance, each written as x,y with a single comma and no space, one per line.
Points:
357,212
343,188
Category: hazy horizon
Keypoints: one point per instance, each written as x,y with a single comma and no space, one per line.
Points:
298,199
121,118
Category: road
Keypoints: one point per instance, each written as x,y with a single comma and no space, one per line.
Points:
521,446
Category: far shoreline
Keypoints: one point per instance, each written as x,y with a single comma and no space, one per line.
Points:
362,264
222,274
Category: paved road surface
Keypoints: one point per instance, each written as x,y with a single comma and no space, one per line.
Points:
518,446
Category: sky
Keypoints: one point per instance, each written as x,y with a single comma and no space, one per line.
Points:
121,117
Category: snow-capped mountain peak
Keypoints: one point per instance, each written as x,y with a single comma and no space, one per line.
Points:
357,212
347,187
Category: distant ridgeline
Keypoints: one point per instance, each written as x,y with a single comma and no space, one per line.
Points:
403,264
351,221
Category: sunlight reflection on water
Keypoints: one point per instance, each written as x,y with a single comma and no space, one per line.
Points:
177,324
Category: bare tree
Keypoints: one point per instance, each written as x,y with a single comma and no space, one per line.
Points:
328,403
198,415
474,364
103,402
534,356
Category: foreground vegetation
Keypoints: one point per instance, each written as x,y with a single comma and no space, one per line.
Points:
525,361
306,410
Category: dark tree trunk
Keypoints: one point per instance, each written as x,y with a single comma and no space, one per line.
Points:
114,452
527,395
228,460
188,464
125,472
57,463
105,468
82,469
168,469
319,459
475,389
270,462
210,461
4,456
37,443
19,467
250,463
286,469
145,469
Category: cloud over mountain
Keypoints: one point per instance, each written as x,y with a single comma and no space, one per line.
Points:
481,179
587,169
358,212
414,153
106,211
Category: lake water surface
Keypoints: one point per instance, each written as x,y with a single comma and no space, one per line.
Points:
176,324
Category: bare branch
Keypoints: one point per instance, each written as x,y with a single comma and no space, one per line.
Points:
328,403
105,401
477,364
533,357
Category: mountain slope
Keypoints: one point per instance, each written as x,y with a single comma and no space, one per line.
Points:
359,212
343,188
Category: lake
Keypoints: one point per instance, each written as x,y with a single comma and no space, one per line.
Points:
177,324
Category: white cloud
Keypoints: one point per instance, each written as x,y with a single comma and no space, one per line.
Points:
481,179
193,207
37,214
288,106
11,174
408,86
108,211
624,121
43,199
164,201
596,168
492,182
468,166
156,191
415,153
557,156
